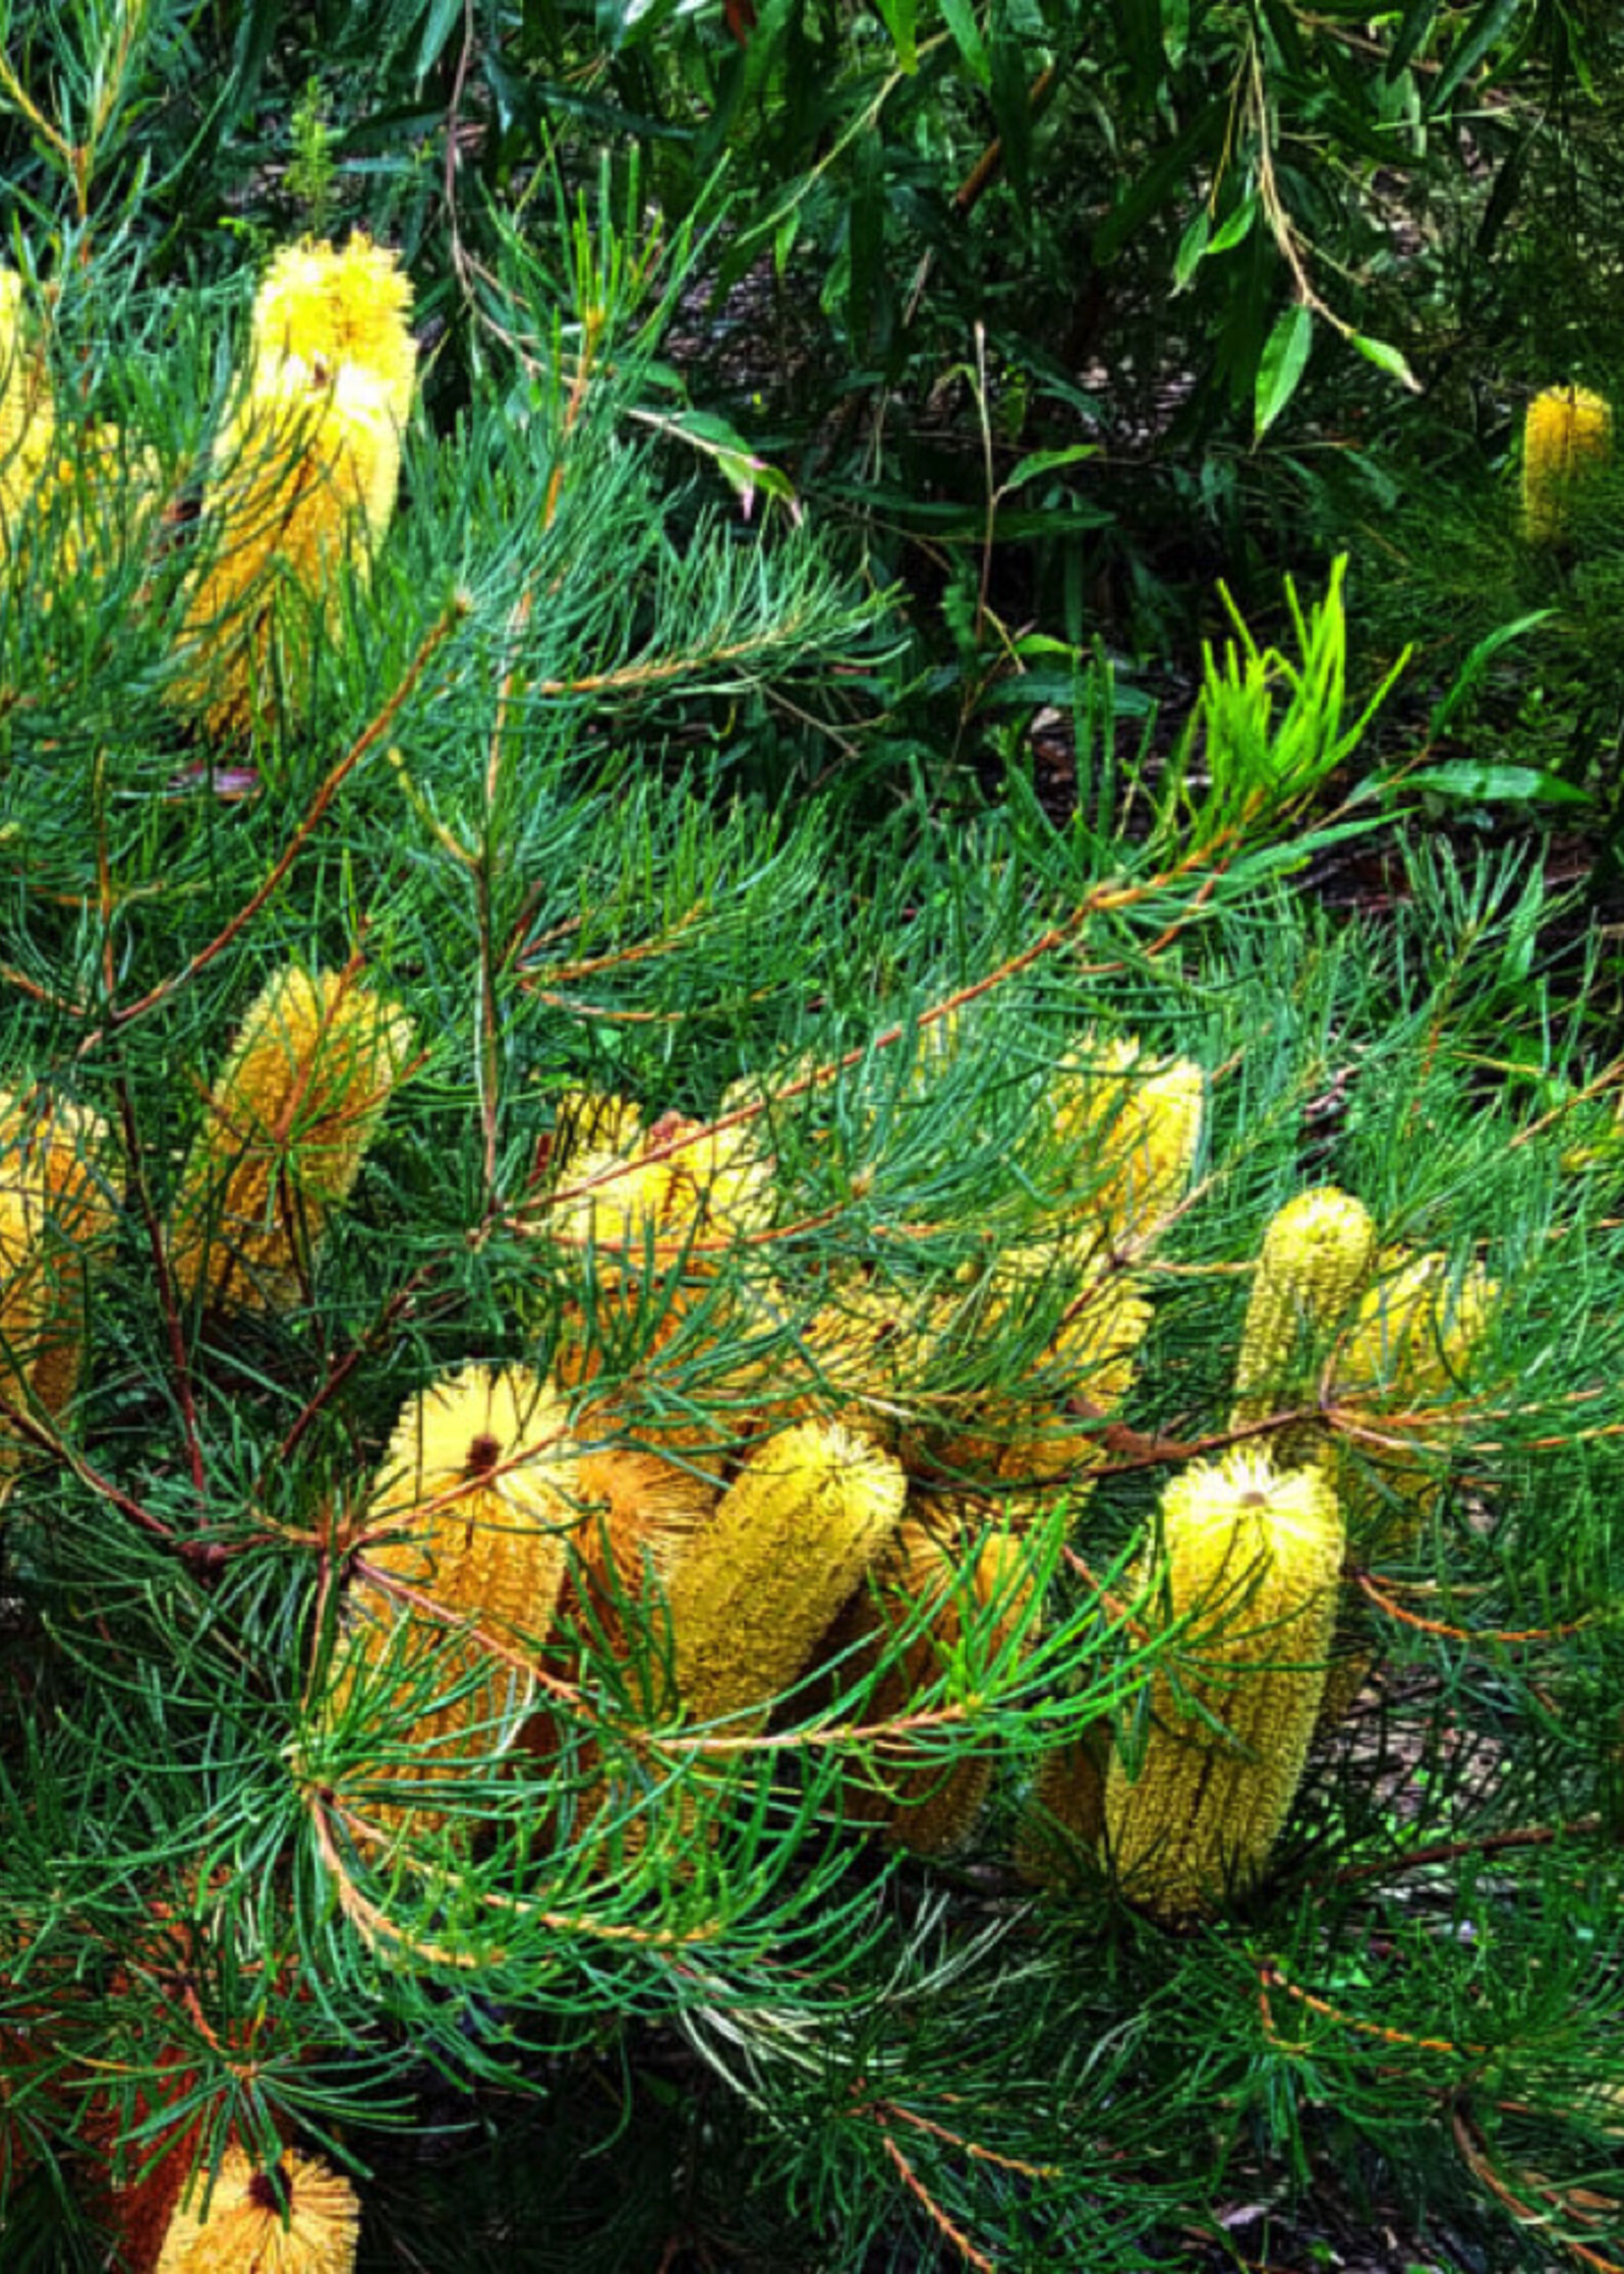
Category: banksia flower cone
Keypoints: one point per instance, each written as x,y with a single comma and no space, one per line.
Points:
55,1213
288,1124
1316,1255
1050,1437
26,419
1566,436
1064,1819
317,307
98,496
791,1538
469,1514
1249,1565
929,1805
639,1513
1404,1363
297,2217
304,483
1136,1126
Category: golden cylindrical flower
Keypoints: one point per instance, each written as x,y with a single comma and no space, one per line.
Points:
57,1213
1246,1578
1063,1823
1135,1126
303,484
1404,1366
297,2216
1567,438
287,1127
936,1574
791,1538
26,416
316,306
464,1546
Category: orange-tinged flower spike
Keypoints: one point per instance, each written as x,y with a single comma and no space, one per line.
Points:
1136,1126
1052,1438
1062,1821
316,306
288,1124
297,2217
473,1510
1567,438
56,1213
1248,1567
791,1538
638,1514
304,481
1316,1255
928,1803
26,417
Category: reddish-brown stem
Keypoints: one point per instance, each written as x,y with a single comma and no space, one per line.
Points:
1451,1850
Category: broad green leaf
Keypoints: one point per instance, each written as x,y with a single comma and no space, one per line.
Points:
1478,784
1282,364
1045,462
901,21
1416,24
1237,225
1388,358
1191,245
1478,662
1492,20
959,18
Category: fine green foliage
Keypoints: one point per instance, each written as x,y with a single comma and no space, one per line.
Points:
691,1116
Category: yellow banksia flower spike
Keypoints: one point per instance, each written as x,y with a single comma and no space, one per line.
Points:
26,416
316,306
1316,1255
1404,1363
304,483
98,496
1567,438
288,1124
792,1538
1137,1127
1247,1568
935,1566
1051,1436
298,2217
473,1510
56,1213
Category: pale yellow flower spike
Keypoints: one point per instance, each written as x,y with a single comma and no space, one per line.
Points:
1567,436
1139,1127
316,307
304,478
300,2217
1251,1561
26,416
1402,1367
289,1123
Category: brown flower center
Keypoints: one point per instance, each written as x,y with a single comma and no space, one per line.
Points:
269,2190
483,1455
